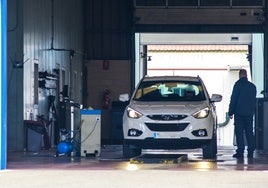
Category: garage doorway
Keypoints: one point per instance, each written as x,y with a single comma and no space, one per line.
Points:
216,58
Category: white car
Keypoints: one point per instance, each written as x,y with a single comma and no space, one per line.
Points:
170,112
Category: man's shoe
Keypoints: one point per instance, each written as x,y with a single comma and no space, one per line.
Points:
238,156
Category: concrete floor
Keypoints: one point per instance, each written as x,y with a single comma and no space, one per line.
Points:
183,168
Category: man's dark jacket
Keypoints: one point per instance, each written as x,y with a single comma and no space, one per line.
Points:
243,98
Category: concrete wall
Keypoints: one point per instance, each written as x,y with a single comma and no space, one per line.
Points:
113,75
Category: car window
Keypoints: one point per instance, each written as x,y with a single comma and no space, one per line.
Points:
169,91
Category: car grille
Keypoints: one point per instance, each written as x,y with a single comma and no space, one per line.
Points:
165,117
166,127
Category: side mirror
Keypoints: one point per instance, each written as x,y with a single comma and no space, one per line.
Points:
216,98
124,97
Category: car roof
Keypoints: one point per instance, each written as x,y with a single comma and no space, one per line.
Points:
181,78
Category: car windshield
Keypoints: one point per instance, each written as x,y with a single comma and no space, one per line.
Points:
170,91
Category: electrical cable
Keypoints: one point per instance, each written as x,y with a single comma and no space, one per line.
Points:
76,138
90,133
77,131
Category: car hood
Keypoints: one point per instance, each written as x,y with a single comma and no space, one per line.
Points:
168,107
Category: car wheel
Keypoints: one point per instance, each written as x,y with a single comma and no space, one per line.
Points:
130,150
210,149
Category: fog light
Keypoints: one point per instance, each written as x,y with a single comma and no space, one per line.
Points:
134,132
200,133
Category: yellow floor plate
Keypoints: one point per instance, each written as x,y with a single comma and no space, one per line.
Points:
159,158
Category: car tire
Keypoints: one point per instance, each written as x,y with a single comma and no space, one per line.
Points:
210,149
130,150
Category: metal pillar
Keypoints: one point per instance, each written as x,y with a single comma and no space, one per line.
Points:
144,59
3,88
266,54
265,126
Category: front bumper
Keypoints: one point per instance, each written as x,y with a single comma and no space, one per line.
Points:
181,143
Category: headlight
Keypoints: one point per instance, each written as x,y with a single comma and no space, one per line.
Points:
133,113
201,113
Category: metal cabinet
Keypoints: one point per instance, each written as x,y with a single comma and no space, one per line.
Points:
90,132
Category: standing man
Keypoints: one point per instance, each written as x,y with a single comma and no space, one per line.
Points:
242,107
